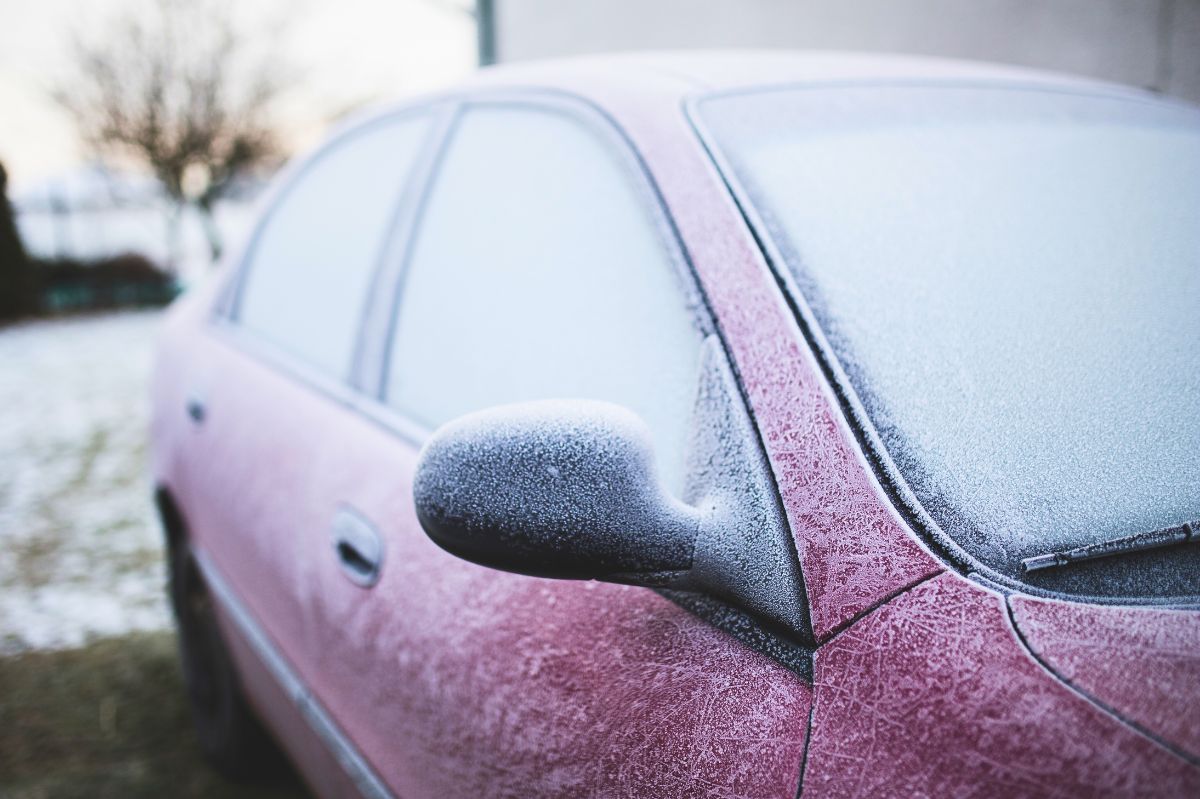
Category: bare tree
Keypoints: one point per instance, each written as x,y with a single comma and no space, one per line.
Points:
177,89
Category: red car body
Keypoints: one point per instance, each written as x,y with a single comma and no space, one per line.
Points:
450,679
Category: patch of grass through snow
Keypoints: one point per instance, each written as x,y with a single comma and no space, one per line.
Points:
106,720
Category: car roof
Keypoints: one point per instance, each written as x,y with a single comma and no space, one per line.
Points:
700,71
624,84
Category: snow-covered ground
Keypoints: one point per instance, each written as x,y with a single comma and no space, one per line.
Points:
80,551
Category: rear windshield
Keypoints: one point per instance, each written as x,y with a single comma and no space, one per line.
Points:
1009,280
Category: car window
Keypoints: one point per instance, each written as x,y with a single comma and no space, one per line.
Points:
312,262
540,270
1009,279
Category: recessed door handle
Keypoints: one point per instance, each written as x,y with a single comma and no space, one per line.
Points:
354,560
358,547
195,409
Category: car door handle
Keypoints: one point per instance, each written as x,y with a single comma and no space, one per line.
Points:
195,409
358,547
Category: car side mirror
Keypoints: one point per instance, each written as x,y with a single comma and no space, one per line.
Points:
563,488
569,488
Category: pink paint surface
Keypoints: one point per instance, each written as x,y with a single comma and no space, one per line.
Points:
458,680
934,695
1144,663
854,549
455,680
450,678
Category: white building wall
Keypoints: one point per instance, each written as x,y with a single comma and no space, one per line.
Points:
1149,43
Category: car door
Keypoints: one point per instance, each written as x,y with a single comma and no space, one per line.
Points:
540,266
269,380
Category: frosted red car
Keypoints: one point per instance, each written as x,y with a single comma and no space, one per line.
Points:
714,425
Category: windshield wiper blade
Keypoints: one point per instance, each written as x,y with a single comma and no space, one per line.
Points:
1168,536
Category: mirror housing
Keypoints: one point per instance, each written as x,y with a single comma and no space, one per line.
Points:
559,488
569,489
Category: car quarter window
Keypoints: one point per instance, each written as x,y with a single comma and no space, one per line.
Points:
542,269
311,265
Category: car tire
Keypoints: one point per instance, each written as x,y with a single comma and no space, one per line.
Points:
232,739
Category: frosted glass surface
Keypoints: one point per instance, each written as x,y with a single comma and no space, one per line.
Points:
539,273
1012,283
312,264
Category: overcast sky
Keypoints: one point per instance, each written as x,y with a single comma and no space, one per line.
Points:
348,52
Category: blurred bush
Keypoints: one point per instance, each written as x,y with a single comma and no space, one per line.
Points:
18,294
31,286
123,281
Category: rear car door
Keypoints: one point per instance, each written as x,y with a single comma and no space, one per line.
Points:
269,385
540,266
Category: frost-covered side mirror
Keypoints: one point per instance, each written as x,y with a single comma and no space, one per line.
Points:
555,489
569,488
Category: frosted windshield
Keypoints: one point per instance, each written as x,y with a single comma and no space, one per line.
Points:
1010,281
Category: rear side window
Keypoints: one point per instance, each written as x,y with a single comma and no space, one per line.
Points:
312,263
540,270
